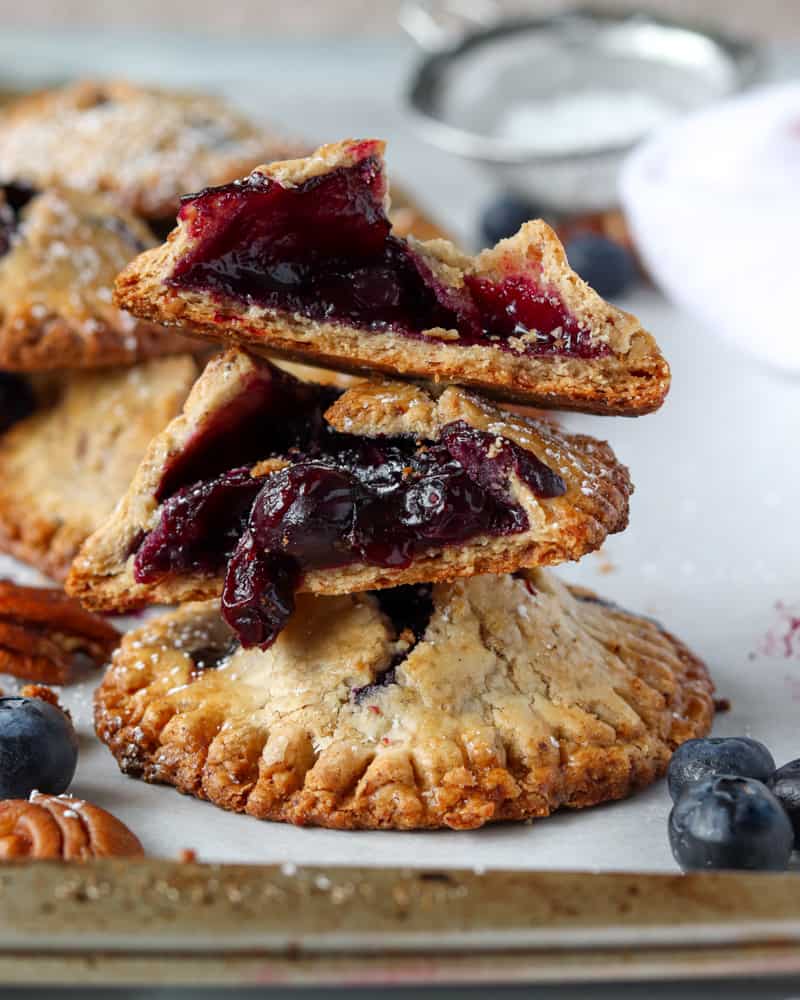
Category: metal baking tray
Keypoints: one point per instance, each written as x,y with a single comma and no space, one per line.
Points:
147,922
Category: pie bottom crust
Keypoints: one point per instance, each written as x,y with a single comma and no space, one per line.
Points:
522,697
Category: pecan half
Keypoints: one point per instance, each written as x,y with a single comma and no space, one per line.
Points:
59,826
42,630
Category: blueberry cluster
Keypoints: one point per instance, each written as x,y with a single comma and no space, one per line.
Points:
732,807
38,748
605,264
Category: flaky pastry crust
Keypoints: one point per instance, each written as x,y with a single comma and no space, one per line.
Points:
142,145
561,528
523,696
55,288
631,379
64,468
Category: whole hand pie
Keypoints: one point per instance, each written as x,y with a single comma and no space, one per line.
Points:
492,698
267,485
59,254
299,259
143,146
65,466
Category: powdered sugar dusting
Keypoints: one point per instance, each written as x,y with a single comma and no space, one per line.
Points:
145,146
783,638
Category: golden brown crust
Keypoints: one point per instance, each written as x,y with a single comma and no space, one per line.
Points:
631,379
143,146
55,288
64,468
521,698
60,827
561,528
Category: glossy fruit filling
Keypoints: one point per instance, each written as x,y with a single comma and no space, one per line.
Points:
324,249
409,609
14,196
17,399
338,500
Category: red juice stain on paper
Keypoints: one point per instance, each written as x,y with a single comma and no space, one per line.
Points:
783,638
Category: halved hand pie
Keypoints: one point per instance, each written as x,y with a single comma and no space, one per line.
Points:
299,259
494,698
64,466
59,254
267,485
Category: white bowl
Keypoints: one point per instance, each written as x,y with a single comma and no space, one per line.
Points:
714,205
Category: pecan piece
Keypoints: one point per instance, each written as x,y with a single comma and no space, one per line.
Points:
44,693
42,630
59,826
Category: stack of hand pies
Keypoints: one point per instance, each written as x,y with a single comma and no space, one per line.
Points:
366,636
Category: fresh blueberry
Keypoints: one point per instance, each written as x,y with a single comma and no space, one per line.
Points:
38,748
503,217
730,822
608,267
698,759
16,399
785,786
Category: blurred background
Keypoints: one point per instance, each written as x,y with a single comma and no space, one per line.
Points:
343,18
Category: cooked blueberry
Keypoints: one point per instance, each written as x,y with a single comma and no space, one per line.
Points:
730,822
305,510
16,400
409,606
704,758
608,267
503,217
258,593
13,198
38,748
785,786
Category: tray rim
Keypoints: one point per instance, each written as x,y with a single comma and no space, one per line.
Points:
155,921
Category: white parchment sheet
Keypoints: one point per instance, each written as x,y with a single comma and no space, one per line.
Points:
713,550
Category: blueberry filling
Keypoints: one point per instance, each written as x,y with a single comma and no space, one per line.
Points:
273,414
210,657
14,196
199,526
17,400
339,499
409,609
324,249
